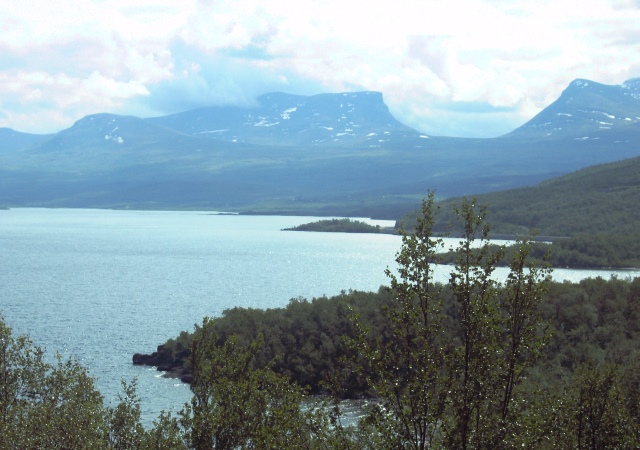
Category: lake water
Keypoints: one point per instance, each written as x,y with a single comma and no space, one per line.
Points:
100,285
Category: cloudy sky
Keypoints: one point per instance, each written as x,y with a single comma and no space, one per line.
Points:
457,67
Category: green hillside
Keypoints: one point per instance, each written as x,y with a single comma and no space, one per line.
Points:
603,199
592,216
600,199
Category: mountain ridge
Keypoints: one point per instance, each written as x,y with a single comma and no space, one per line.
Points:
587,106
287,119
269,101
328,154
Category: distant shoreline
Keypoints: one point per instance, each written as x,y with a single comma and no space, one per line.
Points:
342,226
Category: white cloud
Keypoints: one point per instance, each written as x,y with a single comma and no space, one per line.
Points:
150,57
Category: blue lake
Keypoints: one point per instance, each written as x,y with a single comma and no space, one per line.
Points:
100,285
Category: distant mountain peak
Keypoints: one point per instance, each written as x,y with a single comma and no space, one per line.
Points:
588,111
342,119
632,85
580,83
277,96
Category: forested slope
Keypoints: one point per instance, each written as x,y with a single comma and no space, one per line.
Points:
596,200
592,216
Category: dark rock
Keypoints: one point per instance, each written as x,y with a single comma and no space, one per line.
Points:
161,357
166,361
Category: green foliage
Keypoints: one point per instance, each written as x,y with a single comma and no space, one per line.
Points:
500,336
55,405
405,366
125,430
167,434
591,414
301,341
595,317
46,405
453,380
597,412
595,250
181,346
469,364
237,406
584,251
595,320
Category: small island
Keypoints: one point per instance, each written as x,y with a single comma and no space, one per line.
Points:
341,226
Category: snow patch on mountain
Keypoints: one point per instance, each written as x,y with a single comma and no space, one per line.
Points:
286,114
117,139
264,122
212,131
111,136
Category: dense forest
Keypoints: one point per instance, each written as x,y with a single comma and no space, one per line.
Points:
594,320
474,363
595,250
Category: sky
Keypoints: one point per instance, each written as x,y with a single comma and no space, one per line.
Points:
468,68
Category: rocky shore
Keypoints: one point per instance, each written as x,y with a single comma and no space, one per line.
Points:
164,360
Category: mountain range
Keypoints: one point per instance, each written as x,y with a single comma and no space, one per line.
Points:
327,154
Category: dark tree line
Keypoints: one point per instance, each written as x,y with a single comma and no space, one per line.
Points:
338,225
581,252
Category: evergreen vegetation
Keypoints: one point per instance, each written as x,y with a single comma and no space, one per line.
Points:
474,363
